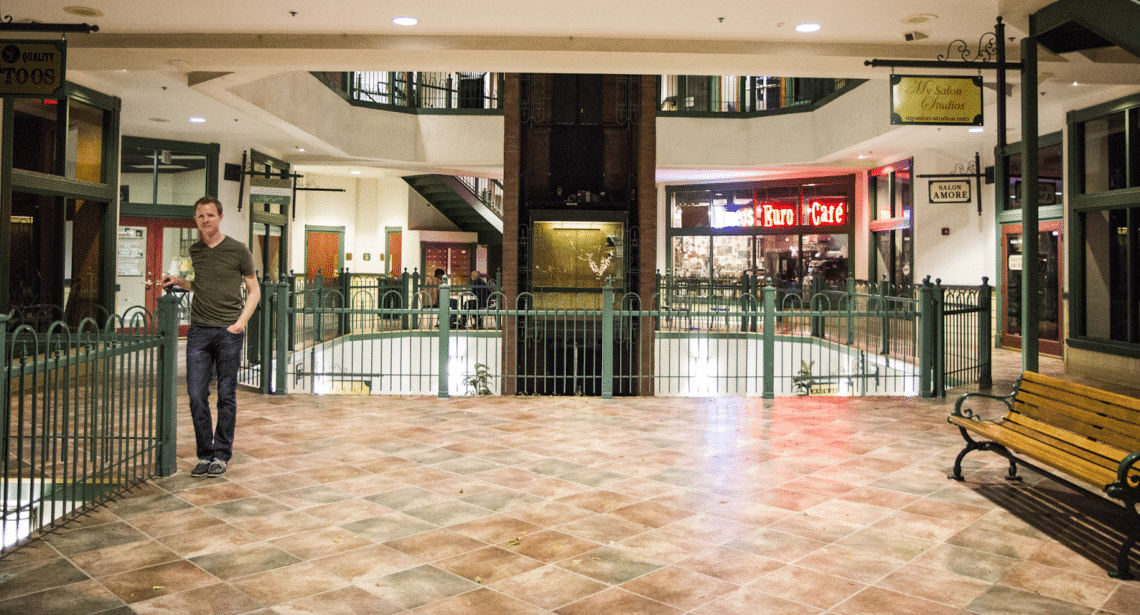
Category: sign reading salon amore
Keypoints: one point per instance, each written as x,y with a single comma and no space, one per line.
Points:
936,101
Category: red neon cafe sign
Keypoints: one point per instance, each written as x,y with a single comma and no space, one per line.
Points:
821,211
825,211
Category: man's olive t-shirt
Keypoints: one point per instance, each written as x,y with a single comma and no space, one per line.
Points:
218,275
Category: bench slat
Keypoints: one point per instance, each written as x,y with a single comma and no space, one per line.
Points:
1103,455
1074,466
1124,411
1091,425
1131,405
1124,420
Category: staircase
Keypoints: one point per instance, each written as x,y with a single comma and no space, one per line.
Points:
455,200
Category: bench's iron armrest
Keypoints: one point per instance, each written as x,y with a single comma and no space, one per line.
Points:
967,413
1124,483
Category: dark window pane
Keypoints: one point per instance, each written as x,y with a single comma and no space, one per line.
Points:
34,135
1104,154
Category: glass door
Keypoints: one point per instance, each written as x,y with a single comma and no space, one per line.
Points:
1049,267
147,249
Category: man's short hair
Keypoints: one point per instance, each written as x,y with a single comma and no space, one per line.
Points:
209,200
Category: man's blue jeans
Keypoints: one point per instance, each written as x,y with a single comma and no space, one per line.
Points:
210,349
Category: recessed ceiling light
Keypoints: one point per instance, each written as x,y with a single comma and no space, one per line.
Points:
919,18
300,149
354,171
405,21
977,129
83,11
808,27
1075,83
197,120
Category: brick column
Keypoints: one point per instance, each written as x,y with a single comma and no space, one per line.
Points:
512,176
647,219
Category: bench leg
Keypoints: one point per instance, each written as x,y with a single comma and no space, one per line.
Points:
973,445
1122,568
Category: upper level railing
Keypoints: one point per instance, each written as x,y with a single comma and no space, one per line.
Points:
419,91
745,95
684,95
488,191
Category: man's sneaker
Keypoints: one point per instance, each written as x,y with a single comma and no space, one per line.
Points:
217,468
200,469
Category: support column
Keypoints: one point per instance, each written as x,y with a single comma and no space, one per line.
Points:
647,223
1030,277
512,178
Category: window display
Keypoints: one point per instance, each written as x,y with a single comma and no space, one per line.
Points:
790,232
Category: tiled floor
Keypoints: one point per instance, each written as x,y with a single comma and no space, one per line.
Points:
578,506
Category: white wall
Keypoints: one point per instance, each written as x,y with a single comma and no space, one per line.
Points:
968,252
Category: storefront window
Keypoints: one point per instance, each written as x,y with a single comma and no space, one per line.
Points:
691,209
732,256
34,130
1110,311
691,257
1050,171
84,143
1104,154
724,232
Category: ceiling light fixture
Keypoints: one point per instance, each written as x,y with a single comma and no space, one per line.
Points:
405,21
197,120
354,171
808,27
83,11
978,129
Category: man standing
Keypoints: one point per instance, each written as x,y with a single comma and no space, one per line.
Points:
217,328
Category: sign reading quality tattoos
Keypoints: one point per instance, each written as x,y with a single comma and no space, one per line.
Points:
936,101
32,69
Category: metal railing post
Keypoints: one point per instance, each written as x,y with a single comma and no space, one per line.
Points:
926,338
405,297
885,322
850,311
444,336
939,336
815,304
318,307
769,341
282,320
292,295
167,463
985,345
607,341
264,339
5,382
344,319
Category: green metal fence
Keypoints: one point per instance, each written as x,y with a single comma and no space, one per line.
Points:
752,340
89,412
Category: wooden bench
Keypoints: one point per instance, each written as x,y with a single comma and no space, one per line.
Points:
1076,430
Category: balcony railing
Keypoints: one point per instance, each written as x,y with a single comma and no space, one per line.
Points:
419,91
746,96
733,95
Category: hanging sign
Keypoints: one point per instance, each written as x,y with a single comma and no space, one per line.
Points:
950,191
32,69
936,101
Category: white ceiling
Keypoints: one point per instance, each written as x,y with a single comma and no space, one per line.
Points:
144,51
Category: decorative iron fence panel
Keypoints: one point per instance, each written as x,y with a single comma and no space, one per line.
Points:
88,413
744,341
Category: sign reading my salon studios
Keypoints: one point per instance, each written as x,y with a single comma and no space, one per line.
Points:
936,101
32,69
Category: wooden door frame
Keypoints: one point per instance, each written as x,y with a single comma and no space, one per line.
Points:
1049,347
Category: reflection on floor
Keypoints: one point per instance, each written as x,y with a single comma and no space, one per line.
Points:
579,506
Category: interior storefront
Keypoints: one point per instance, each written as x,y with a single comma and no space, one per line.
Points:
792,231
